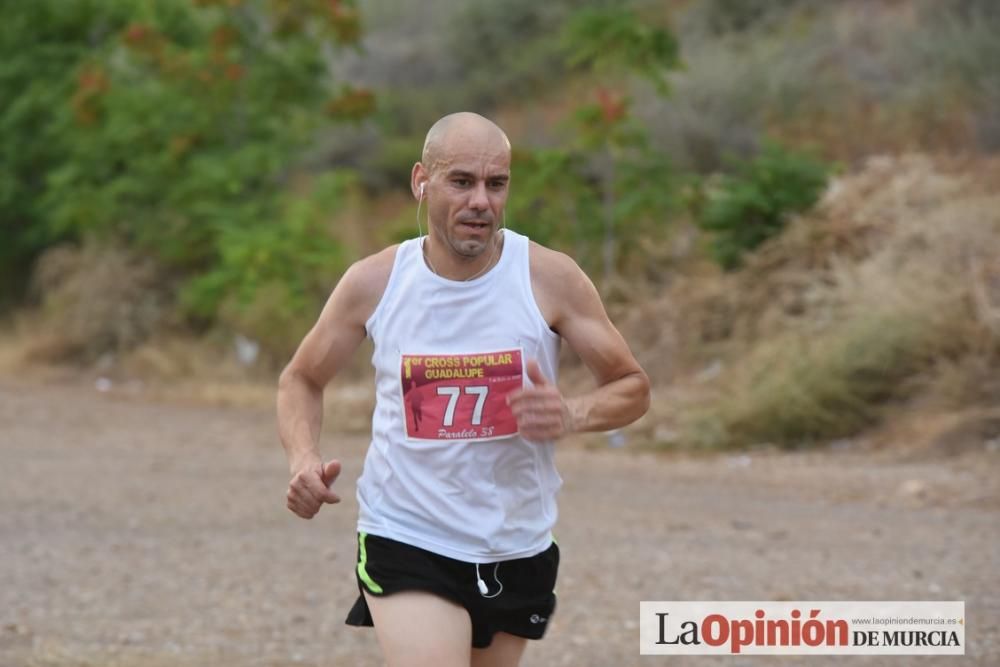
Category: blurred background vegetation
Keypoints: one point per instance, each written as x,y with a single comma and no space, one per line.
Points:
199,170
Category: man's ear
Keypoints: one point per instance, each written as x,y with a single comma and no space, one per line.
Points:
418,181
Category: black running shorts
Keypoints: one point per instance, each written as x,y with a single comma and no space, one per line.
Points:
519,595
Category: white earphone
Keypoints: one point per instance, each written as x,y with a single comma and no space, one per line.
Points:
422,190
483,588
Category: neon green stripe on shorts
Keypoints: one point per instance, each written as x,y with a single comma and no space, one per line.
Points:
362,572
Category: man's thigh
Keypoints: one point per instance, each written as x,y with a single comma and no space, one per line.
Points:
416,629
505,651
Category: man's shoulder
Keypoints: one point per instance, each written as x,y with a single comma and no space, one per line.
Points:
552,269
375,268
559,284
365,280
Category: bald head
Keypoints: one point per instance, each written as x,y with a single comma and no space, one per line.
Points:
461,130
464,176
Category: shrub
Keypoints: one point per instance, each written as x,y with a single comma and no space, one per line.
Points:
270,280
721,17
754,204
798,389
915,305
96,299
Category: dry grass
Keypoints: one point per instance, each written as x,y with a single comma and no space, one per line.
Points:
104,320
802,387
184,369
888,293
95,300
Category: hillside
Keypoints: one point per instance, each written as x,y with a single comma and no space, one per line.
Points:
157,256
880,309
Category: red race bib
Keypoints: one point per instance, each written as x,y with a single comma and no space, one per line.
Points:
460,396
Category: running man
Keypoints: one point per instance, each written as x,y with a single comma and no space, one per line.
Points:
456,560
416,402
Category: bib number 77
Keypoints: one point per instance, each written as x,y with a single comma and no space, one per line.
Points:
460,397
453,393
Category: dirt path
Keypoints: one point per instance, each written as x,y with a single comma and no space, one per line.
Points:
136,533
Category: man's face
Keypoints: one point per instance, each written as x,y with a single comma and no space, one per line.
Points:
467,192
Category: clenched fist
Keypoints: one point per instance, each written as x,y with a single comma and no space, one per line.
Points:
309,489
540,410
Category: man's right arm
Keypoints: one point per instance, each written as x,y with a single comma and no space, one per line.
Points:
325,350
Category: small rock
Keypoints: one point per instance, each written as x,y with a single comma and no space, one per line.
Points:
133,638
741,461
710,372
665,434
913,488
247,350
616,439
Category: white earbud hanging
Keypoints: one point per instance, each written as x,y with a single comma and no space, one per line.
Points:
483,588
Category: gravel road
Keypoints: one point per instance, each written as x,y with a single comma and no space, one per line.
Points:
150,534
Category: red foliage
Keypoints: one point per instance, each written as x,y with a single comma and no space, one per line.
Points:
612,104
354,103
91,84
136,34
234,72
92,81
223,37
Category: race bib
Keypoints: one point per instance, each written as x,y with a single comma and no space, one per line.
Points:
460,396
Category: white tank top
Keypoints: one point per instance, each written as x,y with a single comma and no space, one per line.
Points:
446,470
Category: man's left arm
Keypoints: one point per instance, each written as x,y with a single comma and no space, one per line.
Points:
573,307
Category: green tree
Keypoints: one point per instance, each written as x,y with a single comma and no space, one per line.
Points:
41,45
608,187
174,126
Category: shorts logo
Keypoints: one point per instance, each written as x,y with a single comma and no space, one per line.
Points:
535,618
